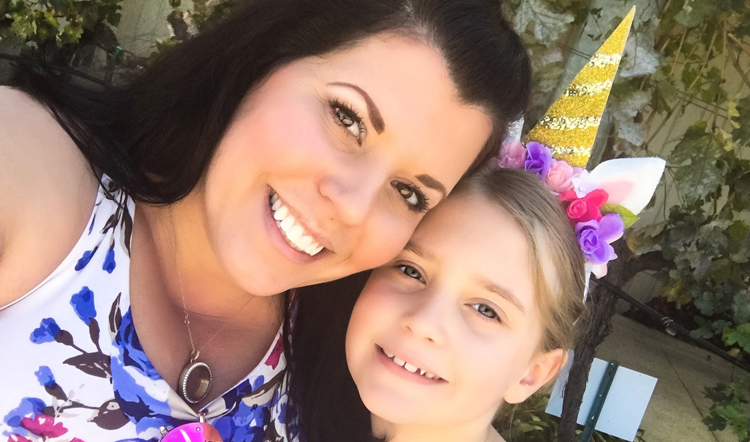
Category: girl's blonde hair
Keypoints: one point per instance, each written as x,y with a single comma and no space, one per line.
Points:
556,258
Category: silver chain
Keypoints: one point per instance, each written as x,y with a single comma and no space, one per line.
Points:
195,353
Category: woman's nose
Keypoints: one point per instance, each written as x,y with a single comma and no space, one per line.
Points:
354,189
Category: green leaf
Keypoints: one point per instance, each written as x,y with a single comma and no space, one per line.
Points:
695,12
71,34
628,218
741,308
738,231
628,111
548,25
739,336
639,57
728,413
701,151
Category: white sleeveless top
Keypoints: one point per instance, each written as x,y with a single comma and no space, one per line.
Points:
73,370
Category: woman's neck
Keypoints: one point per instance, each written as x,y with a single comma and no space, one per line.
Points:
473,431
186,263
171,263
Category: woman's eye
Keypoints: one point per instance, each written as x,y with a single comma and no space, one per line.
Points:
485,311
415,199
411,272
347,118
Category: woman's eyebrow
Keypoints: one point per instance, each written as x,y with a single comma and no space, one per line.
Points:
432,183
377,120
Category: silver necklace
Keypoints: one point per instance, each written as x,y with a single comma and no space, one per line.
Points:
196,376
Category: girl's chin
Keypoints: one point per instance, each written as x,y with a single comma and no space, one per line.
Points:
395,410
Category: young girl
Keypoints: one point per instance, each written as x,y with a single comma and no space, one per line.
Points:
478,309
475,312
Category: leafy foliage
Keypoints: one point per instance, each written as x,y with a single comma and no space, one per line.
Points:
50,25
730,408
528,422
680,54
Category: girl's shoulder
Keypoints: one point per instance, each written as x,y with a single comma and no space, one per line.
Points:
47,192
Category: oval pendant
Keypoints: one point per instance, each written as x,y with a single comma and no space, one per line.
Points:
195,382
195,432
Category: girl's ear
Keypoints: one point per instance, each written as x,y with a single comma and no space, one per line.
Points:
542,369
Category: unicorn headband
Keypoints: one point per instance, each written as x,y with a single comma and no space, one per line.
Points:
602,202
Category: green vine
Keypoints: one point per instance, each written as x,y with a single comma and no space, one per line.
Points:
55,28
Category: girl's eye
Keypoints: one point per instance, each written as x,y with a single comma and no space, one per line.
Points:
411,272
414,198
485,311
347,118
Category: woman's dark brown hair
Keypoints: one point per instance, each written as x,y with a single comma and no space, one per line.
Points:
156,135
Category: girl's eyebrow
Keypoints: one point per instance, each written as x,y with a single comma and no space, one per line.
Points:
377,120
419,251
500,291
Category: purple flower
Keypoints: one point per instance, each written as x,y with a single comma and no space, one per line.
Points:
538,158
109,261
83,304
45,377
46,331
595,238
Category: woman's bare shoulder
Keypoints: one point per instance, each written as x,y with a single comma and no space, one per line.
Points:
47,192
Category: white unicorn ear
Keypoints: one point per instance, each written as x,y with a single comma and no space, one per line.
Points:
514,130
629,182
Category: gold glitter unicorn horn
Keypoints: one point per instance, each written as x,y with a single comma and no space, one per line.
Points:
569,127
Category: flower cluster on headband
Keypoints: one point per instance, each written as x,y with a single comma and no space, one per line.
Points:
597,221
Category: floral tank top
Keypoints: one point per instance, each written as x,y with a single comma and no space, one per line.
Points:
73,369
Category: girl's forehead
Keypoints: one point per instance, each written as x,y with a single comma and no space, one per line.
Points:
469,234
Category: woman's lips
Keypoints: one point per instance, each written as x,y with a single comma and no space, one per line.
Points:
279,237
295,233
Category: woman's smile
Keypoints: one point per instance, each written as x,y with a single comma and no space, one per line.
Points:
295,230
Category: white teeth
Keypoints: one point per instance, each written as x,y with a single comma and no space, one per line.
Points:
294,233
280,213
287,223
410,368
304,242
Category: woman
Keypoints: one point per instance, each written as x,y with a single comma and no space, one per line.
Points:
296,143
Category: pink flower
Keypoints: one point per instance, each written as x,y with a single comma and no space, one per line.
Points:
581,210
512,155
560,175
273,359
17,438
44,426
